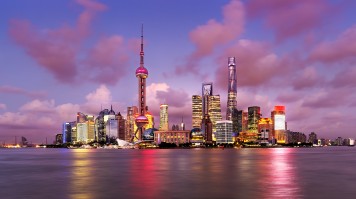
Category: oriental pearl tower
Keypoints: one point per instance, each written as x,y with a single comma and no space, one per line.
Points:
141,74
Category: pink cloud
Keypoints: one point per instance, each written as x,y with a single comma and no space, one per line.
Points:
213,34
308,79
290,18
20,91
335,51
345,78
2,106
288,97
38,106
56,50
107,59
326,99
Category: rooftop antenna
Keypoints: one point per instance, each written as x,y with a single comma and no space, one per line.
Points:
141,53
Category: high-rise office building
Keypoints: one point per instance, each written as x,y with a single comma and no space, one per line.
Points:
130,122
197,112
82,128
214,110
141,73
224,132
163,117
206,126
278,116
254,115
91,128
66,132
121,134
232,91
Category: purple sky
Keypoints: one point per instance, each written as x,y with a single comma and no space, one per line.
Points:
63,56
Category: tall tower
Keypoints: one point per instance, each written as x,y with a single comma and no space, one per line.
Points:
163,117
141,74
231,96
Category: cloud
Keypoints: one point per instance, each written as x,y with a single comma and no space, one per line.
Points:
213,34
336,51
38,106
57,50
20,91
345,78
290,18
2,106
107,61
326,98
288,97
309,78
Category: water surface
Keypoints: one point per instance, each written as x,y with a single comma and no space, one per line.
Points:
328,172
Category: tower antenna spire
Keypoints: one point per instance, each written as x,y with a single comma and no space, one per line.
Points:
141,53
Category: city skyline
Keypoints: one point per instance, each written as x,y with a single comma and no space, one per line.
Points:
63,57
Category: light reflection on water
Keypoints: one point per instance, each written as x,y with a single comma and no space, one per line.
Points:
82,174
178,173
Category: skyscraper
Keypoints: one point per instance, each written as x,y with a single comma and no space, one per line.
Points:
254,115
206,126
231,96
278,116
141,74
197,112
121,134
163,117
130,122
214,109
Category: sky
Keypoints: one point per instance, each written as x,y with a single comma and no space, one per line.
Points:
59,57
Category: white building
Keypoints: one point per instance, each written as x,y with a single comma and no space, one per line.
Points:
224,132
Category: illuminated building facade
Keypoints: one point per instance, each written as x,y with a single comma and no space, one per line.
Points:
265,128
254,115
232,91
91,128
214,110
163,117
197,112
224,132
130,122
278,116
66,132
197,137
141,119
207,126
176,137
82,128
121,134
73,135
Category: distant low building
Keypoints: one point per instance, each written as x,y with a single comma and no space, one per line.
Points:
172,136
